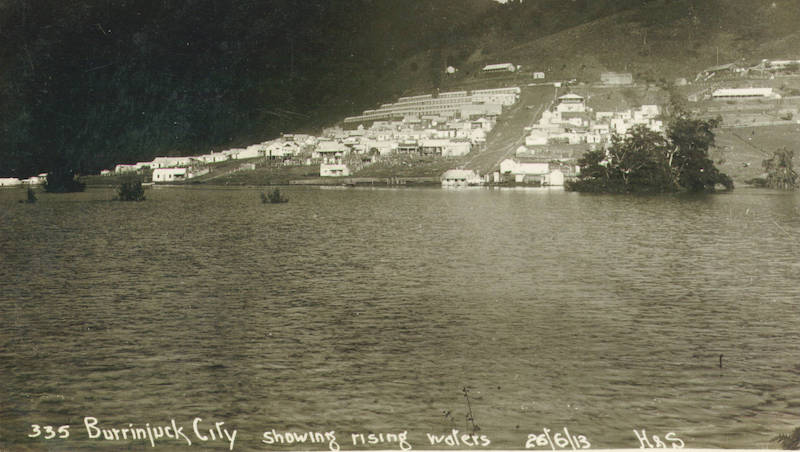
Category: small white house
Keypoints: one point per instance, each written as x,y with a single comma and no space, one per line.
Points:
213,157
169,174
571,103
120,169
332,154
460,178
532,172
554,178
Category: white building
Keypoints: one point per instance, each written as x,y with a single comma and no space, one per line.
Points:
444,147
122,168
281,150
571,103
171,162
214,157
485,102
744,93
36,180
169,174
501,67
332,154
460,178
532,172
9,182
537,137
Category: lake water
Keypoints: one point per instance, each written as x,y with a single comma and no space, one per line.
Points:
368,310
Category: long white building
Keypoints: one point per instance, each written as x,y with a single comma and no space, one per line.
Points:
483,102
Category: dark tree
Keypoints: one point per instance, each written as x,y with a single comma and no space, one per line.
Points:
692,168
63,180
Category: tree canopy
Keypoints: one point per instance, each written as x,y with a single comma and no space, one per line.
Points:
649,162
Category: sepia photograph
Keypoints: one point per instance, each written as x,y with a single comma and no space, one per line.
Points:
395,225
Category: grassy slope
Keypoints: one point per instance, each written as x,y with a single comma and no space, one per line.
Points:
739,151
662,39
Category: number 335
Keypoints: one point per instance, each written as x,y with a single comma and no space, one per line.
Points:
49,431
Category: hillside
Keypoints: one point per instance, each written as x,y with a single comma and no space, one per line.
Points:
90,84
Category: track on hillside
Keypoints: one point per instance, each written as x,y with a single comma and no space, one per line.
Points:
509,134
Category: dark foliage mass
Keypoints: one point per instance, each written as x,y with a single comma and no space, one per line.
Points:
644,161
61,179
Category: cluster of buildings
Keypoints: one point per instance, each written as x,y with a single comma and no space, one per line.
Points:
512,170
171,169
443,125
343,150
572,122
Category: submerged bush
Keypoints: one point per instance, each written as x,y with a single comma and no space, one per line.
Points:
273,197
780,171
131,189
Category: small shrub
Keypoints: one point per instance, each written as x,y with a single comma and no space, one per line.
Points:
131,189
273,197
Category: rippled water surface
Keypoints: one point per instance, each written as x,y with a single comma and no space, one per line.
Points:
368,310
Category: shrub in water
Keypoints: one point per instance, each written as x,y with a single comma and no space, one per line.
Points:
273,197
131,189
